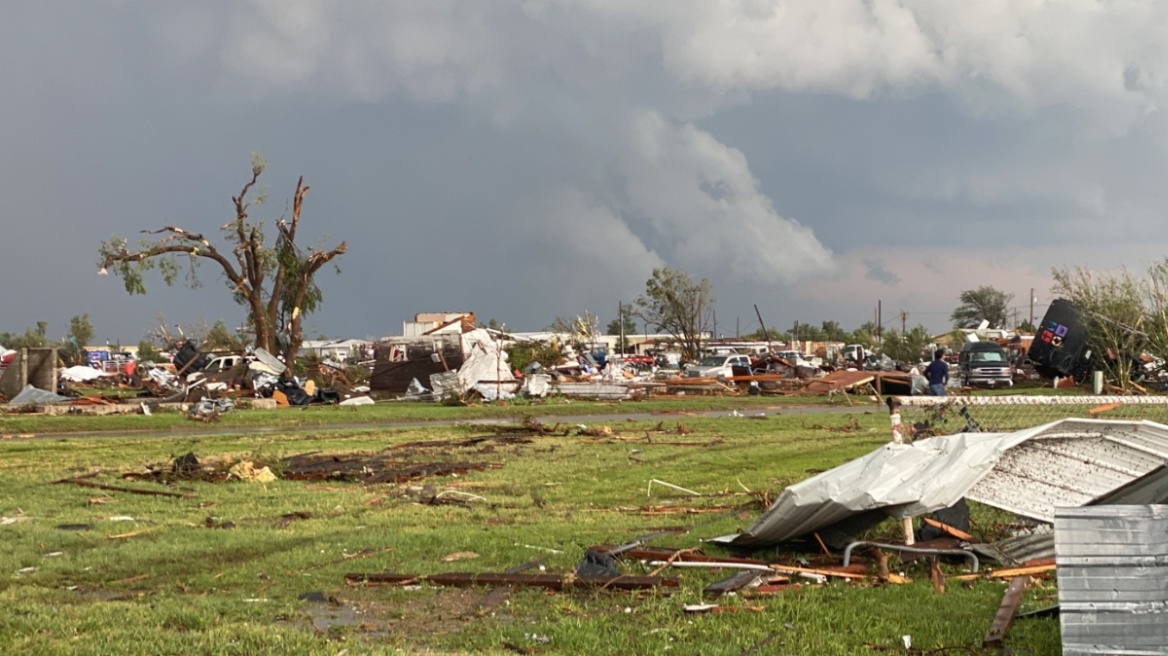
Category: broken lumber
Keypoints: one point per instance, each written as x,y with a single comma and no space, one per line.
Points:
1005,615
949,530
119,488
742,579
547,581
1021,571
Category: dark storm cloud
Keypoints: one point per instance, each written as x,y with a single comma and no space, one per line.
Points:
525,160
879,272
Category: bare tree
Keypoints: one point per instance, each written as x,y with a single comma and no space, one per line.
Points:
276,283
675,304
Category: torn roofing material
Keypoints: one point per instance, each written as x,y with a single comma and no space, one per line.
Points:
1065,463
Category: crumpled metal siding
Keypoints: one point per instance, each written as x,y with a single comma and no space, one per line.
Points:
1029,472
1070,465
1113,579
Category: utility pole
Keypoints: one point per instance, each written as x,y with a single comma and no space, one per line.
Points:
903,322
620,317
879,328
1032,308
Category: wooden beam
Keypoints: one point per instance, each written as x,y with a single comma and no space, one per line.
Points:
949,530
1010,602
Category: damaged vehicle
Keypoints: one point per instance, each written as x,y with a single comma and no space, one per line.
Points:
985,364
718,366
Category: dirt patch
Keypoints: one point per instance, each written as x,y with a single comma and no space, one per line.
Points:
427,612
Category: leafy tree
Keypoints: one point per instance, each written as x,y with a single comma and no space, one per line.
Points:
275,282
811,333
80,334
907,347
625,325
29,339
147,351
522,354
986,303
675,304
80,330
865,335
626,321
833,332
221,338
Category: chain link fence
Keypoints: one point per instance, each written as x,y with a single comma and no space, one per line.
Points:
945,415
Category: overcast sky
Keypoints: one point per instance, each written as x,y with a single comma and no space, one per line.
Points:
525,160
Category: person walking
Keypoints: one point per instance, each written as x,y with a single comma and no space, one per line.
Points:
937,373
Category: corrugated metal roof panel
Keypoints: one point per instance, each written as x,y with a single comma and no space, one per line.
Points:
1029,472
1070,464
1113,579
1021,548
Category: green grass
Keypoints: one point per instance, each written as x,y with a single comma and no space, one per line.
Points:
182,587
398,411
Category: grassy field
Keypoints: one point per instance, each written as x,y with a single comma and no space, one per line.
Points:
221,569
322,416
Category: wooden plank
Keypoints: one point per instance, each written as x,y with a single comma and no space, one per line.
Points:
955,532
1103,408
1005,615
1021,571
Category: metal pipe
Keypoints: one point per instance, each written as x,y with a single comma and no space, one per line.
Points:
916,550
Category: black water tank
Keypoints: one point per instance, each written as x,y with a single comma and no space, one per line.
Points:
1060,342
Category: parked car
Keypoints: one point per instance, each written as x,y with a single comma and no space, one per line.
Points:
718,366
984,364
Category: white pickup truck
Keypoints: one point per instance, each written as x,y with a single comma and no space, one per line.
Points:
717,366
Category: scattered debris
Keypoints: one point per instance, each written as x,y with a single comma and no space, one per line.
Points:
547,581
245,470
119,488
649,491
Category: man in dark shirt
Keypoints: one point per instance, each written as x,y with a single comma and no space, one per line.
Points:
937,373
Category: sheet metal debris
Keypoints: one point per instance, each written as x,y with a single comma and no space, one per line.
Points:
1028,472
1112,578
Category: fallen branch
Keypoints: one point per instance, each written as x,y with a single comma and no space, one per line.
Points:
547,581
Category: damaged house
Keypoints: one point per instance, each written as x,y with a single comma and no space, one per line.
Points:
443,353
